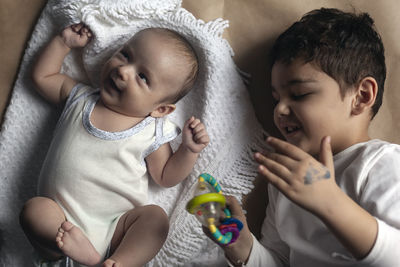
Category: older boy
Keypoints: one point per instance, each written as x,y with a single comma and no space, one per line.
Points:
334,194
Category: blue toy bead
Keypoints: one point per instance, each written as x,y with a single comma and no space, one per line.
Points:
232,220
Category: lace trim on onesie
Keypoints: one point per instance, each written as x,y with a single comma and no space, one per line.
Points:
73,98
109,135
160,138
165,131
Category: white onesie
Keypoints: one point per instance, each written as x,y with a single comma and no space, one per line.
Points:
97,176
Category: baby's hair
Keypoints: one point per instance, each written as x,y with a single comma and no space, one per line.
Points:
344,45
186,52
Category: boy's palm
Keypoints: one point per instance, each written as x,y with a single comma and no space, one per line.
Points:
301,178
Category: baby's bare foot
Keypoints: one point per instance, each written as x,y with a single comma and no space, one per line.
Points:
74,244
111,263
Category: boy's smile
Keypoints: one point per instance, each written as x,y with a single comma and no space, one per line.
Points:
309,106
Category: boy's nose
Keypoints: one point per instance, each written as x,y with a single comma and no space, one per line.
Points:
282,109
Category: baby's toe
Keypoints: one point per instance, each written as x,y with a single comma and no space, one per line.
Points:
66,226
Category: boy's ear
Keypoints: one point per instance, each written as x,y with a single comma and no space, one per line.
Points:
162,110
365,95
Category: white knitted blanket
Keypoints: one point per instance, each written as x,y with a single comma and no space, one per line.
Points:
219,98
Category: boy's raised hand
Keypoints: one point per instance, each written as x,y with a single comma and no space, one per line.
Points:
76,35
301,178
194,135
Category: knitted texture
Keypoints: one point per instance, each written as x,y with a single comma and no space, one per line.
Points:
219,99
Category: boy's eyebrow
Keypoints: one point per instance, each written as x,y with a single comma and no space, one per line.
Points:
299,81
295,81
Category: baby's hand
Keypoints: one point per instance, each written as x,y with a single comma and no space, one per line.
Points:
300,177
194,135
76,35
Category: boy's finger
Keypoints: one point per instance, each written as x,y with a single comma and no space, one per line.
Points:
234,206
276,181
325,154
286,148
281,159
276,168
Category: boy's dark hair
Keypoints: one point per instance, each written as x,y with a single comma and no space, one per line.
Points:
344,45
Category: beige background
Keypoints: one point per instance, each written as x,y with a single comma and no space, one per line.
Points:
254,24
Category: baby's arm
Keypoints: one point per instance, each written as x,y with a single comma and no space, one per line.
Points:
50,83
169,169
311,184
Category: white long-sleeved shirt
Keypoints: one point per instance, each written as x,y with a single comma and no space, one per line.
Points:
369,173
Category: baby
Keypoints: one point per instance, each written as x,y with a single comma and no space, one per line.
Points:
108,142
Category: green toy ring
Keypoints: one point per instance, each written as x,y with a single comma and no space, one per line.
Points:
231,226
202,199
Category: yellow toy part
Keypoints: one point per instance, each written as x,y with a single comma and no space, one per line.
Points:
207,205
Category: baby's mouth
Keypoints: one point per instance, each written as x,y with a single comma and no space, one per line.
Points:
114,85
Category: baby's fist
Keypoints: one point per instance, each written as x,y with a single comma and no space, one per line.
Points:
194,135
76,35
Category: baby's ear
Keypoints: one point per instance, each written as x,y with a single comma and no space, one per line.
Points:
162,110
365,95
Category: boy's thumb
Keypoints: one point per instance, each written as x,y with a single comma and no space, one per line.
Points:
234,206
325,153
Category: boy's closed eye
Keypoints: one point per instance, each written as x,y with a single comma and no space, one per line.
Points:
300,96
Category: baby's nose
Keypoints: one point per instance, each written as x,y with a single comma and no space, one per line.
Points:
125,71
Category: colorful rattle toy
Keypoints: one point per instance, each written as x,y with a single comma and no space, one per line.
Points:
207,205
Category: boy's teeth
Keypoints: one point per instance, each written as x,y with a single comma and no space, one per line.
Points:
291,128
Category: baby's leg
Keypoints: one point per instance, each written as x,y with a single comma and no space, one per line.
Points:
40,219
139,235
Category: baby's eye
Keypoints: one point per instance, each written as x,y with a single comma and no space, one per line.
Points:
143,77
124,54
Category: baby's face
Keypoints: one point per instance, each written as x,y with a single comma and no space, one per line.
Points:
136,79
309,106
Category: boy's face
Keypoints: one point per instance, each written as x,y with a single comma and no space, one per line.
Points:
309,106
138,77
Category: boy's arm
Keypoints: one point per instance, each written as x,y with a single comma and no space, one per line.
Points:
50,83
167,168
311,185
